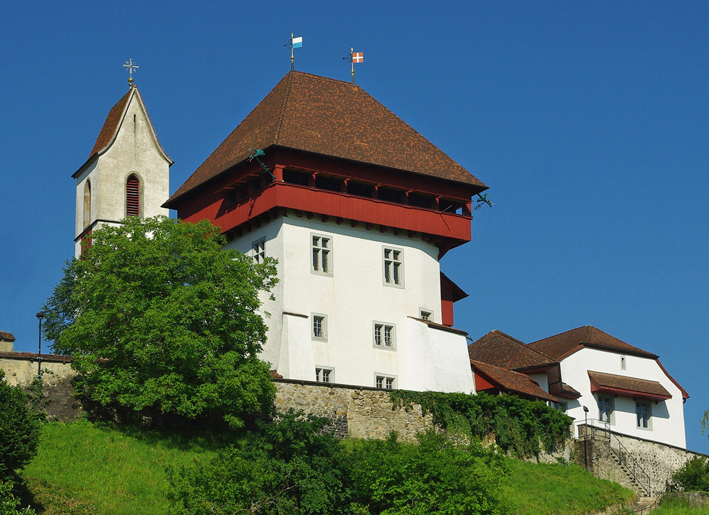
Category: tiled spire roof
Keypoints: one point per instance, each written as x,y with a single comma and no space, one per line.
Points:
333,118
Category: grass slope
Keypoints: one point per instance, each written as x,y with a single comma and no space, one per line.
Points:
84,469
545,489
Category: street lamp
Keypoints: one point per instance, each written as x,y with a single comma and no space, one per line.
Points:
585,436
40,316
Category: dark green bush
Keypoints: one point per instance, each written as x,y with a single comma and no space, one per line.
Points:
694,475
518,425
296,466
19,430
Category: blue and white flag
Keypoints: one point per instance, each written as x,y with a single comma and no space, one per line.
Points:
296,42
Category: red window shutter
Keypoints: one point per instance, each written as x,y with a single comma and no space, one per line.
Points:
133,196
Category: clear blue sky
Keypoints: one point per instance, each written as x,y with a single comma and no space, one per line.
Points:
589,122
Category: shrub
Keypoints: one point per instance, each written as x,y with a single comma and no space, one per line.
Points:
694,475
518,425
295,466
9,504
19,430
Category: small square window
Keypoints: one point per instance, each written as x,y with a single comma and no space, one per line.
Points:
325,375
393,267
319,327
384,335
322,254
426,314
385,382
259,250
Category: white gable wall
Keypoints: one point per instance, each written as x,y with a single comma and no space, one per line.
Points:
666,417
354,298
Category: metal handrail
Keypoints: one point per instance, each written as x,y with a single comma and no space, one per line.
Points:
641,477
637,471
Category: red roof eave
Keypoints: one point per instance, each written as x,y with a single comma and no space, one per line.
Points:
685,394
629,393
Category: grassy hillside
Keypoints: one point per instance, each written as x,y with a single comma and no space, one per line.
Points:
82,468
86,469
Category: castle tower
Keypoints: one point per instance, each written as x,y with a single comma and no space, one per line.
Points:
358,208
127,173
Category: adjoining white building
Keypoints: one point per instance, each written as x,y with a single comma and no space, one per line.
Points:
357,207
623,387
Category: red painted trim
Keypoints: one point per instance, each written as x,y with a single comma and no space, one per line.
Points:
455,229
375,175
685,395
482,383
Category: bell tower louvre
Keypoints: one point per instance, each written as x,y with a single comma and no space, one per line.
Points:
358,208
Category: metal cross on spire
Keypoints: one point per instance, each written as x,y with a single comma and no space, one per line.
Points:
131,66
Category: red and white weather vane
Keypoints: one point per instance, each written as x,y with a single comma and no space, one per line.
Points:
354,57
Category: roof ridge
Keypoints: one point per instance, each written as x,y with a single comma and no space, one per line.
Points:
283,106
525,345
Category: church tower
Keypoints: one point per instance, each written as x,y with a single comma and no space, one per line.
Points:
127,173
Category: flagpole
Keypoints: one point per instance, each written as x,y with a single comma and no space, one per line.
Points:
292,60
352,61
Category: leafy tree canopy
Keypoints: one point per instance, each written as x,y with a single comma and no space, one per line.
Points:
160,319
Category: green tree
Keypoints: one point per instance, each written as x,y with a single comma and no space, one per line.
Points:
161,319
19,430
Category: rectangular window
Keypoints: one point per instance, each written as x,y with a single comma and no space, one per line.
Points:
384,335
319,327
259,250
385,382
622,363
325,375
605,409
642,410
426,314
393,267
322,254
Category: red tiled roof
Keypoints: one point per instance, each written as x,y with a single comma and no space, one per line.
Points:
627,386
564,390
511,382
560,345
502,350
6,336
110,126
333,118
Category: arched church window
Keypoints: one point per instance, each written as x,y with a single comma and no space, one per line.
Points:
133,196
87,204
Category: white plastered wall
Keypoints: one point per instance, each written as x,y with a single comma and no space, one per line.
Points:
666,417
353,298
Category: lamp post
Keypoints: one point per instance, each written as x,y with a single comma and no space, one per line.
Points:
585,436
40,316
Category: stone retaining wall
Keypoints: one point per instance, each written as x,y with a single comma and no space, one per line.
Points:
21,367
659,461
356,412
